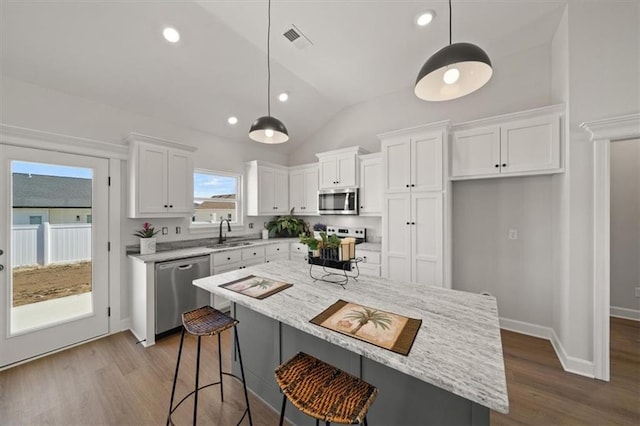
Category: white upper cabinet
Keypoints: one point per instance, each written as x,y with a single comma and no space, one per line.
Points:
303,189
371,185
160,178
413,161
267,189
339,168
519,144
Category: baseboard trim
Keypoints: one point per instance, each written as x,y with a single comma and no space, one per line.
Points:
630,314
569,364
526,328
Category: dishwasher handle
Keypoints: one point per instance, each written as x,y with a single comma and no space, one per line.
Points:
185,267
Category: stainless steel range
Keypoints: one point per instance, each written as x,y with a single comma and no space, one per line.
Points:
360,234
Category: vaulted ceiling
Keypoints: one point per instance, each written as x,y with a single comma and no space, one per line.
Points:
113,52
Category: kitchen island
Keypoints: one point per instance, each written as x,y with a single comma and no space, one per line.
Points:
454,373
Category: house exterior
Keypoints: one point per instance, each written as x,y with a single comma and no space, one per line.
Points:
55,199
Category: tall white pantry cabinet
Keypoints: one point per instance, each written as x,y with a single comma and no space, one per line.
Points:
417,204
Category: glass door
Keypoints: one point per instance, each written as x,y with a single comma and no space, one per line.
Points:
54,286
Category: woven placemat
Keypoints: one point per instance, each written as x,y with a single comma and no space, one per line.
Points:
256,287
381,328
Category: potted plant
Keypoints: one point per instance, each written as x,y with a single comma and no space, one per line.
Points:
312,242
147,242
329,246
286,226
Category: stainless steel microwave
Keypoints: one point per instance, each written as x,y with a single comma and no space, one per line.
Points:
338,201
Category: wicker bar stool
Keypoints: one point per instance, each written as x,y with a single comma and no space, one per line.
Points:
324,392
207,321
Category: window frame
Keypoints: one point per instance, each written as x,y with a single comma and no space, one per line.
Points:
195,227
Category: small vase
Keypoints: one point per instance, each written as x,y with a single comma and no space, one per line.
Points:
147,245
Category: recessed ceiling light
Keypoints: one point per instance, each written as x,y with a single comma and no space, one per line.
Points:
232,120
282,97
425,18
171,35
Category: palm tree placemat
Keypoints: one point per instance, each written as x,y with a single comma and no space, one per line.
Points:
384,329
256,287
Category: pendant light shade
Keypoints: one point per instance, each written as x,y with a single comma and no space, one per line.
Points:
453,71
268,129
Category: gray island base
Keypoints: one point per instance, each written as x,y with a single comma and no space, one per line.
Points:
454,374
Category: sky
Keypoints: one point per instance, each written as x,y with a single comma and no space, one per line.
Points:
206,185
50,170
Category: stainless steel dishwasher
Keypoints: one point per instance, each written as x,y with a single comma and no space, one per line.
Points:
175,292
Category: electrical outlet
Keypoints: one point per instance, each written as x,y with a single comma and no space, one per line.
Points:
165,230
178,229
250,225
637,291
513,234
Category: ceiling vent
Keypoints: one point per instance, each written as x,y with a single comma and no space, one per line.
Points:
295,36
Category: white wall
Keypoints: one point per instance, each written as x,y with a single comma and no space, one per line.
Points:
521,81
519,273
625,223
34,107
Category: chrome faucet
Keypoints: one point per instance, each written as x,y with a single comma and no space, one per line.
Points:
221,239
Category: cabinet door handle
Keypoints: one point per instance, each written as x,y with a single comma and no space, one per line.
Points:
407,185
361,207
171,206
165,206
413,223
497,165
408,223
278,249
228,258
504,164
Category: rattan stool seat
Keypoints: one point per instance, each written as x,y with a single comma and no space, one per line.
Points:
206,321
325,392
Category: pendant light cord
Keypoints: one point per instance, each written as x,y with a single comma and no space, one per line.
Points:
269,60
449,21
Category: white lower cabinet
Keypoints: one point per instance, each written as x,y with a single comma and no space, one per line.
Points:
370,263
275,252
233,260
413,246
299,252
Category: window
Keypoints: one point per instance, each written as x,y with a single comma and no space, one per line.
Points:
35,220
216,196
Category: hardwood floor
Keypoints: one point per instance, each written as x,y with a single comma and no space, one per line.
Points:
114,381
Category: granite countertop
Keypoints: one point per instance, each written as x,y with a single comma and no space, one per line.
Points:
377,247
458,347
165,255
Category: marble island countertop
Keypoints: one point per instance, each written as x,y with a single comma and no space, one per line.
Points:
458,347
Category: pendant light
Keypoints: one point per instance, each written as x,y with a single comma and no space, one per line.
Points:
454,71
268,129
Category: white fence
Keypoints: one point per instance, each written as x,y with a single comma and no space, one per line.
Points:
46,244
